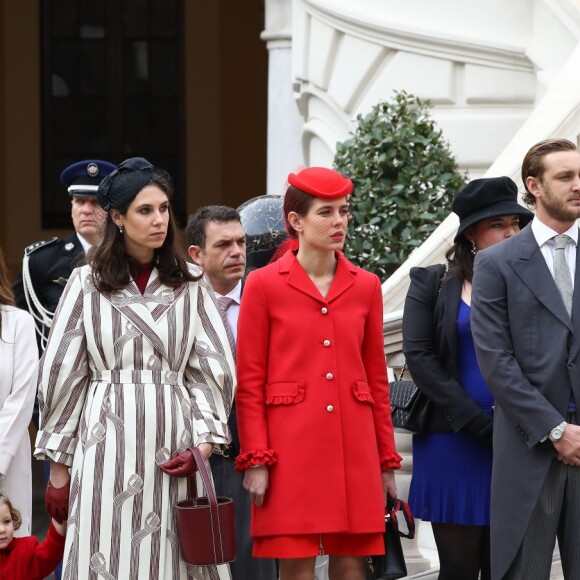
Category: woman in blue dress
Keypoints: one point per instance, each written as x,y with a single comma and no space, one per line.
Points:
451,479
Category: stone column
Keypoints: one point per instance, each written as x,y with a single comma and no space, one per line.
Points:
284,120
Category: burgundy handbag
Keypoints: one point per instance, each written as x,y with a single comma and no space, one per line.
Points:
205,525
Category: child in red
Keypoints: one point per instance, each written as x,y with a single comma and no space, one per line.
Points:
25,558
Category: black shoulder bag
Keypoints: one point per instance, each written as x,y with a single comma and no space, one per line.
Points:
410,408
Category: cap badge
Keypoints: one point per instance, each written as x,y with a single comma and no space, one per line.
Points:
92,169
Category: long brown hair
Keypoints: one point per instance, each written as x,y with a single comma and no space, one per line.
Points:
113,267
6,295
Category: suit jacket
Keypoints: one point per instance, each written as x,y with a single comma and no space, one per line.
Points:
233,448
430,344
313,393
529,353
229,483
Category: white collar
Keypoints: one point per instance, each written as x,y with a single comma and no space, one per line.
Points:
86,246
544,233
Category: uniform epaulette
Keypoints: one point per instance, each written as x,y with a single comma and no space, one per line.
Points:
33,247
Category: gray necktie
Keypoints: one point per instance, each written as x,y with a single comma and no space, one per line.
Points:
562,272
224,302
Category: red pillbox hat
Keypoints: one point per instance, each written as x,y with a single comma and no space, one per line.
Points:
321,182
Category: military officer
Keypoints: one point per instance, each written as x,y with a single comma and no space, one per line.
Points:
47,265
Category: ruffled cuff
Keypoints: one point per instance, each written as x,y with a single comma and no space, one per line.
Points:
259,457
391,461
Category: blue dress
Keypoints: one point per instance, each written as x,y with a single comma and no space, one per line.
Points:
451,480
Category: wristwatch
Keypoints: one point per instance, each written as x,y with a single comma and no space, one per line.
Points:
557,432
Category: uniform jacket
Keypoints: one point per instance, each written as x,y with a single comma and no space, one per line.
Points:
51,263
126,380
313,397
18,374
430,344
529,353
27,559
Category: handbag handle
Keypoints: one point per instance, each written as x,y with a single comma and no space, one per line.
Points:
391,517
207,484
402,371
211,496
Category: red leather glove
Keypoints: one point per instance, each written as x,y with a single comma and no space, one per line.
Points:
56,501
180,465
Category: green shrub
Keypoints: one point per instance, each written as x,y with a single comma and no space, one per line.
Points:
405,177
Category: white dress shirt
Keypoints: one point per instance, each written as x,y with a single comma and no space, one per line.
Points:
544,236
86,246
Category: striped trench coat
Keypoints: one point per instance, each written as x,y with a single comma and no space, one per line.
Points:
126,380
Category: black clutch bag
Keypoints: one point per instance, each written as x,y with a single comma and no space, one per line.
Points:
392,565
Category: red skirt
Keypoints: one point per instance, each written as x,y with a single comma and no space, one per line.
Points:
309,545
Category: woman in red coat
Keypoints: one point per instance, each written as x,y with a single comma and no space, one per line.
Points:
317,443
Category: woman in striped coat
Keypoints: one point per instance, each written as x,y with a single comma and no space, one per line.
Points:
137,368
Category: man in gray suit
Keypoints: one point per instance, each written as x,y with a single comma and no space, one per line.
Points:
526,326
217,243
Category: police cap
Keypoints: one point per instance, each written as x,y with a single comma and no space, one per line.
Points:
83,178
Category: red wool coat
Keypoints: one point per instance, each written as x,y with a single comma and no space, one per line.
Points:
27,559
313,399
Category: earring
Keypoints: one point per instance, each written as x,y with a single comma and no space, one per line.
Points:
473,248
121,230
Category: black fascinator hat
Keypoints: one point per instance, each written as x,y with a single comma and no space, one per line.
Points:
121,186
